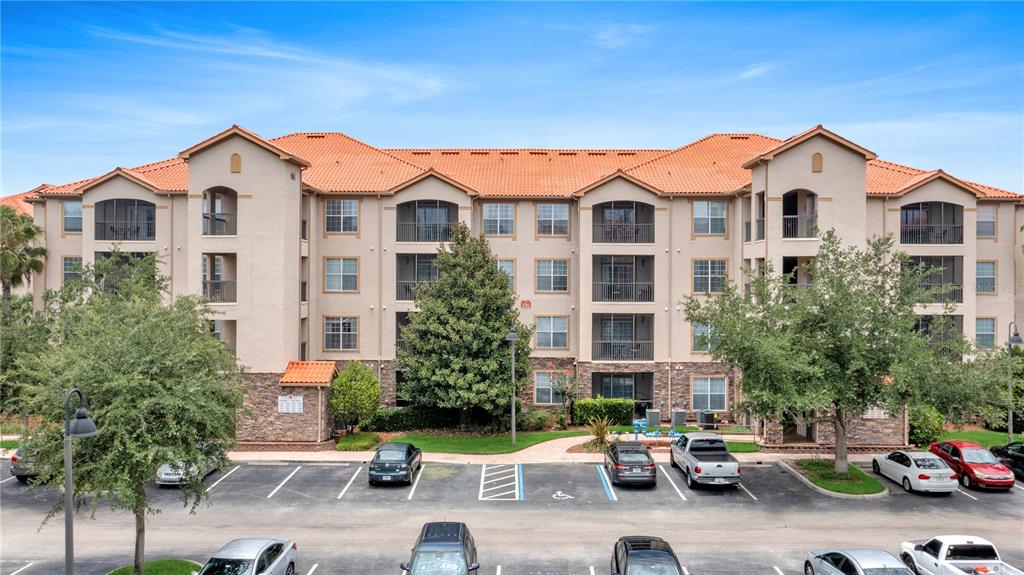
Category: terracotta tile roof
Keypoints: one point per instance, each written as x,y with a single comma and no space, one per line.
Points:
308,373
238,131
891,179
344,164
818,130
711,165
17,202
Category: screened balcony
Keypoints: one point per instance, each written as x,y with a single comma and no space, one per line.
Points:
623,337
623,223
799,214
413,270
219,212
426,221
946,282
623,279
125,220
219,284
932,223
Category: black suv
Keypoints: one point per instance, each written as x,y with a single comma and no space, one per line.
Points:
644,555
443,548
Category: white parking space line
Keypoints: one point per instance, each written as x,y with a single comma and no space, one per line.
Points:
415,482
312,569
777,570
674,486
744,488
498,572
8,479
23,568
222,478
294,471
967,494
500,483
685,572
591,570
349,484
1018,486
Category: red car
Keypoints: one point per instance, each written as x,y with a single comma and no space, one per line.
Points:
976,466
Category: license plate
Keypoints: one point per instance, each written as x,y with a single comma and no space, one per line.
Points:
387,478
636,470
719,480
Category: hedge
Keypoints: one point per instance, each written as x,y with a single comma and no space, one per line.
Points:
618,411
535,420
391,419
926,424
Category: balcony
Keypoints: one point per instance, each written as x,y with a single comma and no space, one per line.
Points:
413,232
943,292
220,224
623,278
426,221
413,270
124,230
219,291
759,229
623,350
406,290
931,234
801,226
932,223
623,233
125,220
746,231
623,223
303,292
623,291
623,337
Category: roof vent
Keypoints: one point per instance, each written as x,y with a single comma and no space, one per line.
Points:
566,153
315,136
538,153
509,153
479,153
421,153
596,154
739,137
627,153
449,153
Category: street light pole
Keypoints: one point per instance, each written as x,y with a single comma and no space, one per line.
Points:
1012,340
81,426
512,338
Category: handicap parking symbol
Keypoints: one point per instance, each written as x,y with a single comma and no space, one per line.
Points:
561,496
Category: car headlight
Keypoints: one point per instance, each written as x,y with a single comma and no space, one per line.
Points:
991,476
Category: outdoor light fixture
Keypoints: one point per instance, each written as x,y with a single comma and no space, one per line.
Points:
512,338
1013,339
79,426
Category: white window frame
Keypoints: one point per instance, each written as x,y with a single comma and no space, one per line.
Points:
344,213
704,280
978,277
703,219
76,271
700,332
986,209
340,326
549,222
544,394
707,395
499,219
66,217
340,275
984,339
545,270
546,331
511,273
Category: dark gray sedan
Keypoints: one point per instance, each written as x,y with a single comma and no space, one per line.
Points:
630,462
395,463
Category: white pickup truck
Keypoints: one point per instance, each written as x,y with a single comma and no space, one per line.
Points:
705,460
955,555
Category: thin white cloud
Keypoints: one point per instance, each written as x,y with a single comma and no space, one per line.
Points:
618,35
755,70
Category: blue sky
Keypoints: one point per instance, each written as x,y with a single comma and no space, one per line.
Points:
89,86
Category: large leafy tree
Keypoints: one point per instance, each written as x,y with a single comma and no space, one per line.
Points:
836,349
355,394
455,353
159,386
20,252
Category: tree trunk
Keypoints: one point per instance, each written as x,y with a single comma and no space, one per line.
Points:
841,460
6,281
140,532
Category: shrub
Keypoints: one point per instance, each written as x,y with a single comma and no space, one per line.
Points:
536,420
599,429
926,424
617,411
561,421
390,419
355,394
359,441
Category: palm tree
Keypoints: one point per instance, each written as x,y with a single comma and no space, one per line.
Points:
19,253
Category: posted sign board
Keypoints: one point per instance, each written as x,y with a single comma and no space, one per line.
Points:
289,403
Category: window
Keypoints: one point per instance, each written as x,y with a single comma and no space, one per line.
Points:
617,386
709,393
985,332
986,221
542,392
72,216
552,219
341,274
553,332
709,217
708,276
703,338
499,219
341,333
553,275
985,277
72,268
342,216
509,267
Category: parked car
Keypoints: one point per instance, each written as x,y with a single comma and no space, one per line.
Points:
644,555
916,471
443,548
21,467
1012,456
630,462
954,555
853,562
975,465
178,472
253,557
395,463
705,460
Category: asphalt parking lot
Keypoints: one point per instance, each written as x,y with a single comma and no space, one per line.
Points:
510,508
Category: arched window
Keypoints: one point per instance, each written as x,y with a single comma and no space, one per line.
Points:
236,163
816,162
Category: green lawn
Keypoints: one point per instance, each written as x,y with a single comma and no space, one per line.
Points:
9,444
161,567
983,437
856,482
358,441
742,447
482,444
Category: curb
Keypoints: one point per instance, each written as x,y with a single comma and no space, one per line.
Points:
823,491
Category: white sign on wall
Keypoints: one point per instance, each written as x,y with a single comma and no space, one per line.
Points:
289,403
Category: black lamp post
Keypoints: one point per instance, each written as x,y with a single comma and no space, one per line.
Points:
79,426
512,338
1013,339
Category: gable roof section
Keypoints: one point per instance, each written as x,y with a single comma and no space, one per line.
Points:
435,174
890,179
711,165
619,174
236,130
119,172
798,139
308,373
343,164
18,202
926,178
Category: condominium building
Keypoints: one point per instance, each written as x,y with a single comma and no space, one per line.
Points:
310,245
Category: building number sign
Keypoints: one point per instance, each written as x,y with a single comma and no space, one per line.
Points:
289,403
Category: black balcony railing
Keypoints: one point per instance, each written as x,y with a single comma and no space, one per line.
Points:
406,291
219,291
399,344
759,229
415,232
219,224
931,234
624,350
624,233
805,226
126,231
623,291
942,292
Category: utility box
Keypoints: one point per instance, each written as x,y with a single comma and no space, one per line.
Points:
707,419
678,417
653,418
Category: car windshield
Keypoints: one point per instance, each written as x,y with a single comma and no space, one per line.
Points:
888,571
979,456
633,457
438,563
217,566
971,553
390,455
707,445
929,463
650,566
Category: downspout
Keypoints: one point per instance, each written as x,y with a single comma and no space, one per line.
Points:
170,246
671,314
576,316
380,303
319,414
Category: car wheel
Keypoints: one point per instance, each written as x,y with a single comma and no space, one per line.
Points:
808,570
22,478
372,483
906,485
909,562
965,480
874,467
290,570
672,462
689,480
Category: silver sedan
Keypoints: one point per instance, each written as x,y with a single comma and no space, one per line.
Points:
916,471
253,557
853,562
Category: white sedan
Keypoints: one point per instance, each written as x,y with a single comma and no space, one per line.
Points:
916,471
